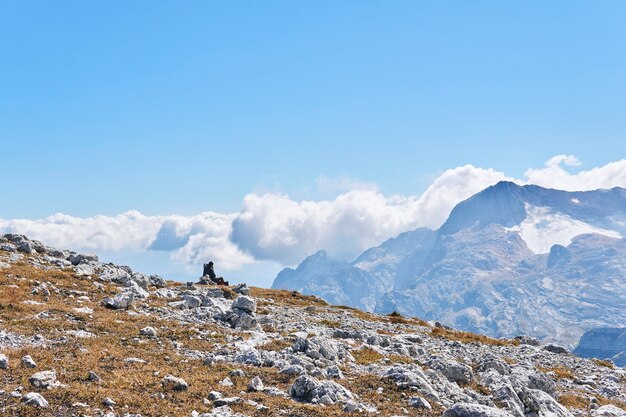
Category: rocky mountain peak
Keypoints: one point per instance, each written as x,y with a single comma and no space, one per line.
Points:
505,259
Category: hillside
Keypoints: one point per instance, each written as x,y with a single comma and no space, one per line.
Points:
509,260
79,337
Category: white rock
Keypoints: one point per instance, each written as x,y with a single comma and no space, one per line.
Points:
148,331
245,303
108,402
173,383
474,410
28,362
43,379
256,384
609,410
35,399
419,402
122,300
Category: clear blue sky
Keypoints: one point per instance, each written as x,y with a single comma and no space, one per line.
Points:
181,107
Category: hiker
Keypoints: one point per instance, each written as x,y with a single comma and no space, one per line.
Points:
208,270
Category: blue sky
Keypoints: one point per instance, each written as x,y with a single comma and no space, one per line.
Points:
185,107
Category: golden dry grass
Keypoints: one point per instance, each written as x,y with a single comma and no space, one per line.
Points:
276,345
604,363
131,385
559,372
366,356
333,324
467,337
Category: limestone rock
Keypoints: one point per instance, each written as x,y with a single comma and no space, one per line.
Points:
474,410
173,383
35,399
120,301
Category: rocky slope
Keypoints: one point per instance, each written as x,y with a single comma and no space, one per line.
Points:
510,260
83,338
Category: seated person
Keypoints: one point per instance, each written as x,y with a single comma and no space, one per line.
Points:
208,270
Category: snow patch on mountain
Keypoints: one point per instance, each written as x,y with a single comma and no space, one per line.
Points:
543,228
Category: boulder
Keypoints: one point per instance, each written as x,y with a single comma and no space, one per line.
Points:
256,384
454,371
242,289
122,300
474,410
541,403
157,281
43,379
35,399
28,362
419,402
554,348
148,331
244,303
173,383
310,390
609,410
4,361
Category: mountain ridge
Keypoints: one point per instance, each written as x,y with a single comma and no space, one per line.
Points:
505,259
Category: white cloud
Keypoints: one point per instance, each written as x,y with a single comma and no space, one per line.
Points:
275,227
554,175
190,240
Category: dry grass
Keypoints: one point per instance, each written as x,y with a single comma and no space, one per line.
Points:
332,324
604,363
276,345
559,372
285,297
392,401
131,385
479,388
574,401
582,401
467,337
366,356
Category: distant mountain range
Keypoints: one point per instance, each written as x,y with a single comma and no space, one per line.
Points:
509,260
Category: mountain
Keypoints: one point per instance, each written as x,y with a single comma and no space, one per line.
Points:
79,337
509,260
604,343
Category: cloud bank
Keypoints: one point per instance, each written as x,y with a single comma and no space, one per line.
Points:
275,227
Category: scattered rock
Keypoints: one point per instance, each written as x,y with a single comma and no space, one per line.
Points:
419,402
28,362
173,383
108,402
35,399
120,301
310,390
256,384
609,410
242,289
93,377
43,379
148,331
244,303
474,410
551,347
